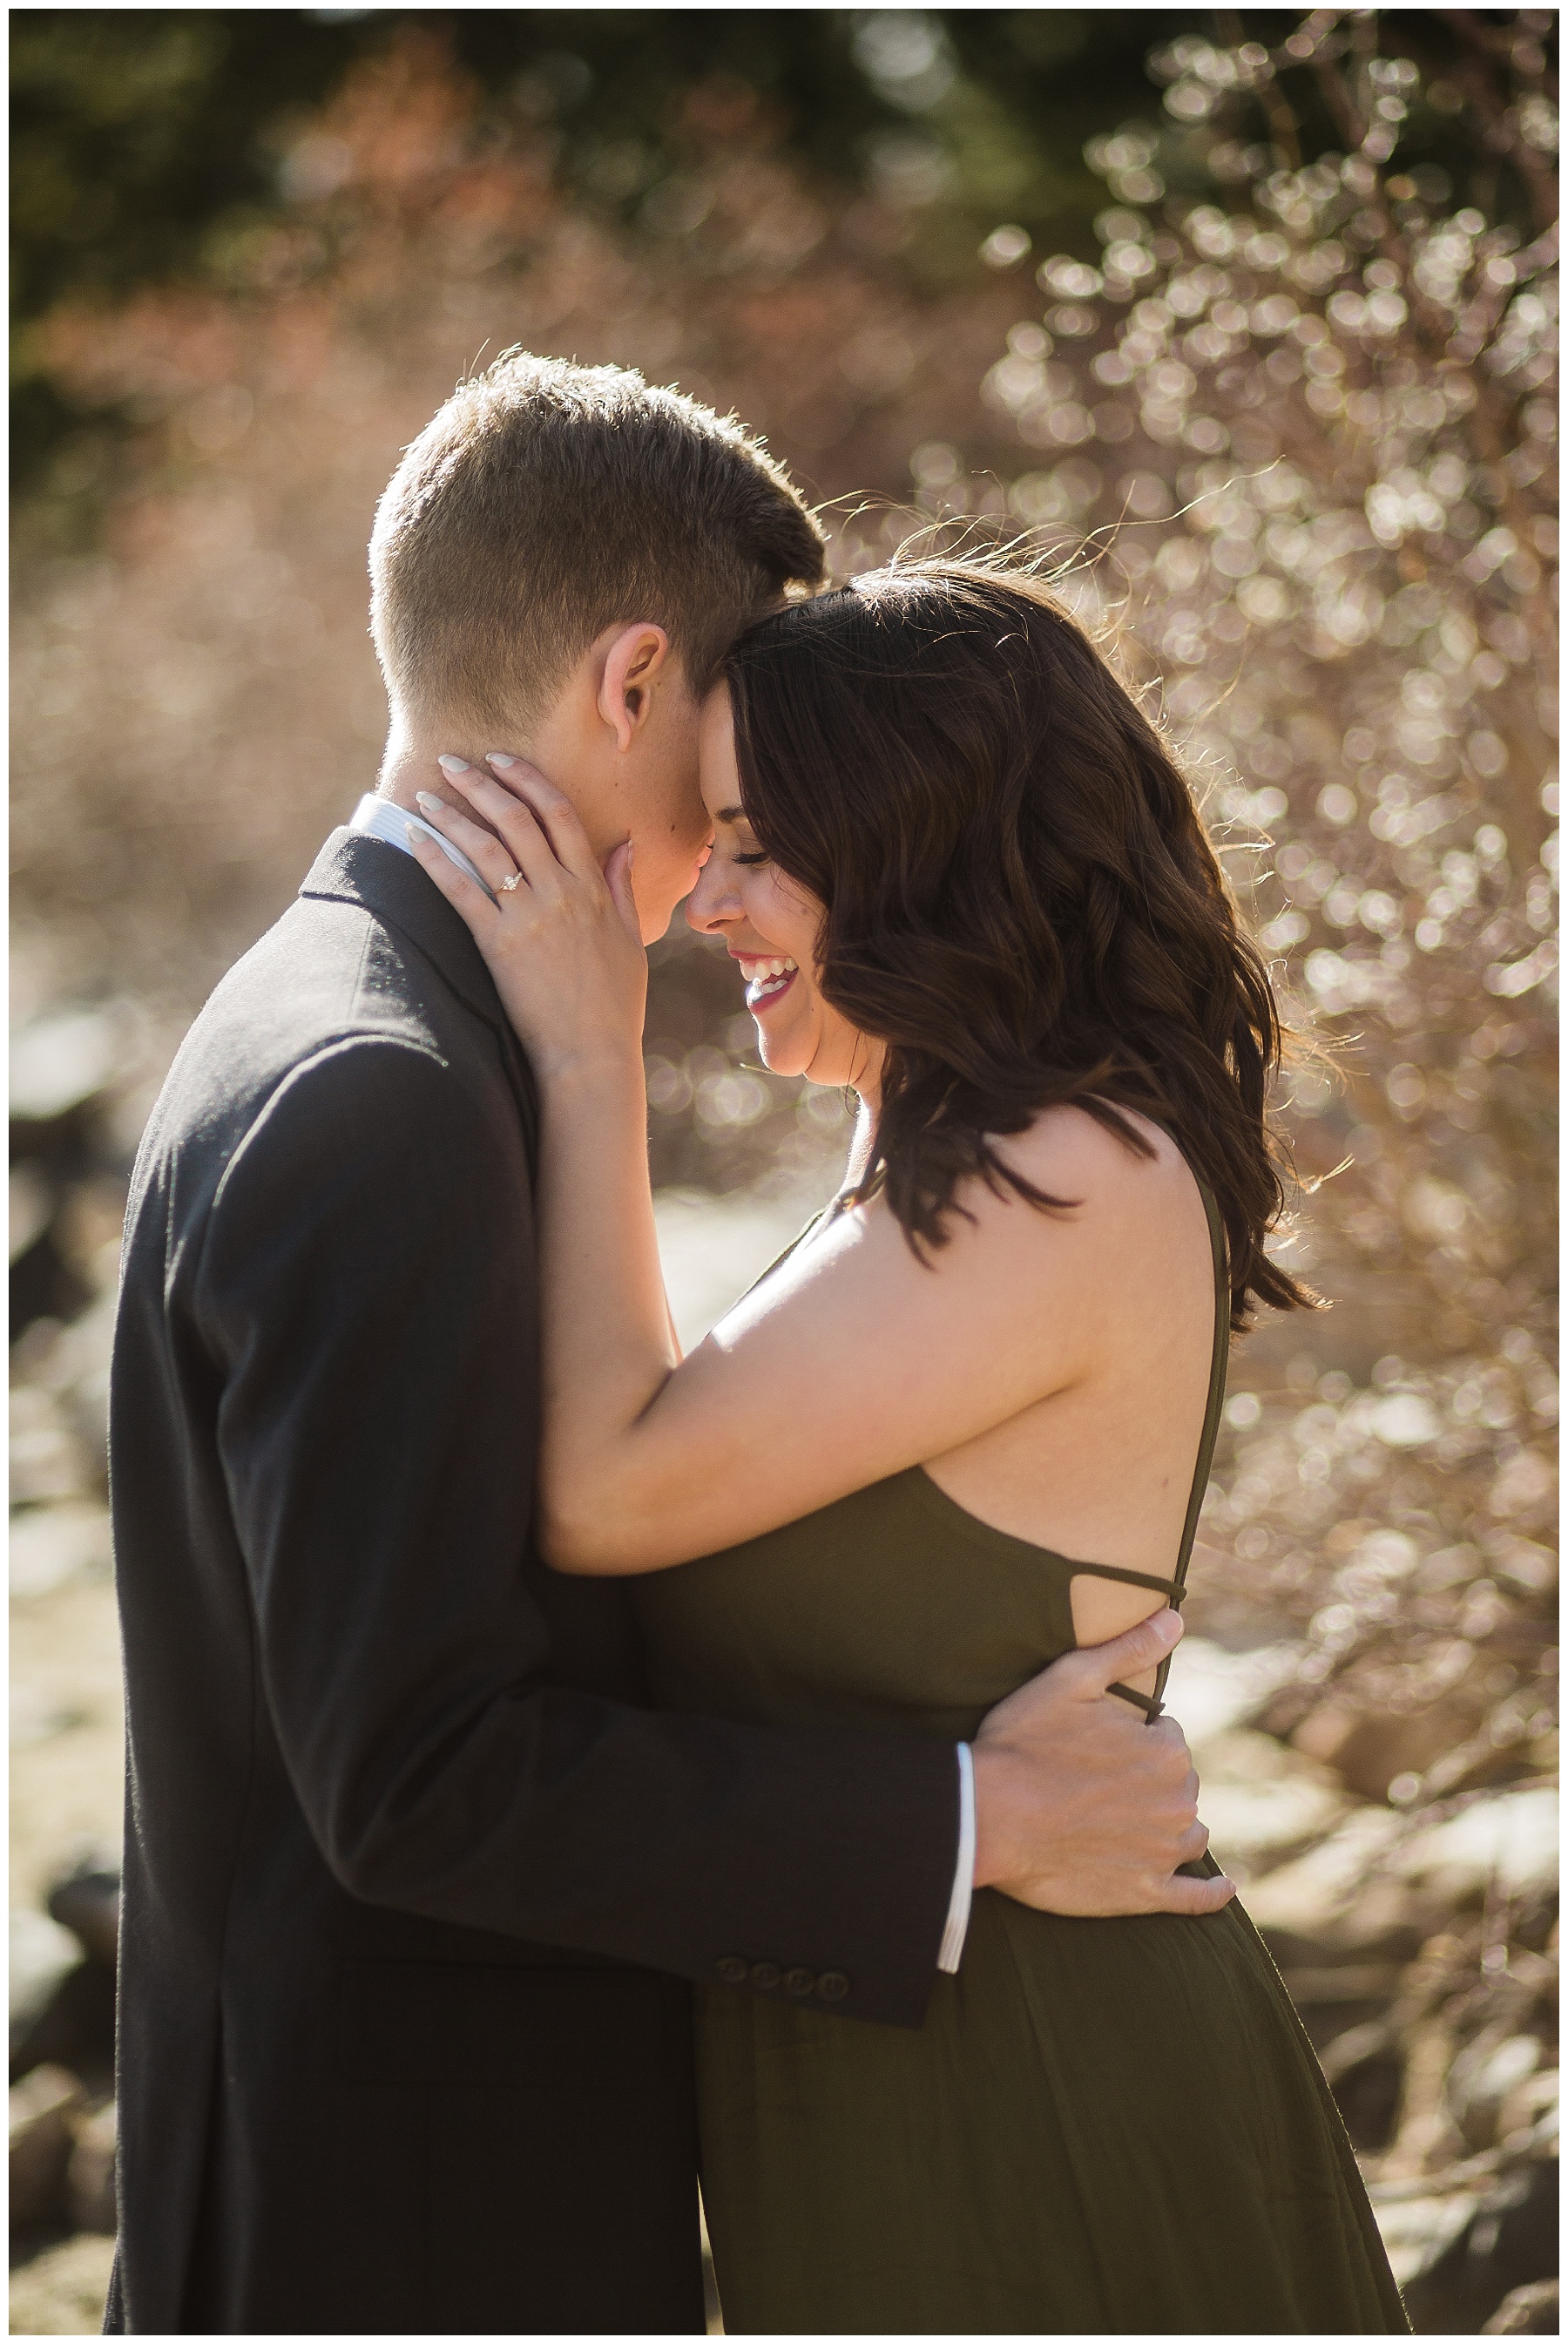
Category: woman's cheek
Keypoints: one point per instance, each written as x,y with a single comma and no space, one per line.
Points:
790,921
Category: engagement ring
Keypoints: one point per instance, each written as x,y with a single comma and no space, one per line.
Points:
506,885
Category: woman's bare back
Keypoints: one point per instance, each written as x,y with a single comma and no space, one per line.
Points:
1102,1470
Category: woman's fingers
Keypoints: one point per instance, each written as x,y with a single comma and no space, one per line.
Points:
559,818
618,879
457,886
484,849
509,816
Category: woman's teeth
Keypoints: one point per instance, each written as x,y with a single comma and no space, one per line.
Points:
764,977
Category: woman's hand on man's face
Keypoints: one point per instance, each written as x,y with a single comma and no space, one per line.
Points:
561,937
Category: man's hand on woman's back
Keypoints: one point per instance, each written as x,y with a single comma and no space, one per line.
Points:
1082,1805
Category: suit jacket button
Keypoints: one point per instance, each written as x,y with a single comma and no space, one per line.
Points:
730,1971
765,1975
832,1985
799,1982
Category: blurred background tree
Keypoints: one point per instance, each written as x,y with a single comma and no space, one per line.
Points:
148,143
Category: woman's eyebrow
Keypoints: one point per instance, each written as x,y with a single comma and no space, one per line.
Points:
731,814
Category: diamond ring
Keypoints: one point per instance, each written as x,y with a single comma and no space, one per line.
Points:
506,885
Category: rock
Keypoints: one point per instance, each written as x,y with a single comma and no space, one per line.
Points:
1383,1881
1508,1843
45,1284
1526,2311
712,1248
1507,2242
32,1208
61,1063
1530,2106
88,1903
1488,2072
90,2175
1211,1690
42,2108
1260,1801
1366,2075
1341,1901
49,1459
1368,1752
52,1544
62,2291
1418,2231
75,2029
42,1953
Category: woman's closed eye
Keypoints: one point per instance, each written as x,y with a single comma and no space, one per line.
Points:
755,856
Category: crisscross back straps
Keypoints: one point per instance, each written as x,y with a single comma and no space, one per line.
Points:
1170,1588
1151,1704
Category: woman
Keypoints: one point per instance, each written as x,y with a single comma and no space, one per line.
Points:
958,873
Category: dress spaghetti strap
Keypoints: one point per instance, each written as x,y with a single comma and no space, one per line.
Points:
1152,1704
1174,1588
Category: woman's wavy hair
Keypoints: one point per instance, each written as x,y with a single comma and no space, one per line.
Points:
1020,900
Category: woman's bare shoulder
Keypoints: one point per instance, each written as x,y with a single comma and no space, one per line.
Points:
1126,1213
1070,1153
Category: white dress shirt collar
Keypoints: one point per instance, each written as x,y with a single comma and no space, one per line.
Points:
375,817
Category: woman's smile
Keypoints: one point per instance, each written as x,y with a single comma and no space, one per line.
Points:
769,925
768,977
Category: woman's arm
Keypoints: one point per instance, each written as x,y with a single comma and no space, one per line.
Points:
854,1361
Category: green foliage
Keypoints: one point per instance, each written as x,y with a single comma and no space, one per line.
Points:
146,143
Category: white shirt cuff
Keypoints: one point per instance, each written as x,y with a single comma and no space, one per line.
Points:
954,1936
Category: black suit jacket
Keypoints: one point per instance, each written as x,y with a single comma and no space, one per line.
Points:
414,1886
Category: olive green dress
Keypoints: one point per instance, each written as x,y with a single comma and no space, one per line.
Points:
1104,2127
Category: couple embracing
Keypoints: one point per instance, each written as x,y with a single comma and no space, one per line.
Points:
556,1766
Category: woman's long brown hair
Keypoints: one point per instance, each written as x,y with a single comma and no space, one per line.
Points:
1020,900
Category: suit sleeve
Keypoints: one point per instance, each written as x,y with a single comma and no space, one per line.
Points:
366,1286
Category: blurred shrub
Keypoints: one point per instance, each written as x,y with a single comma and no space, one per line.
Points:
148,145
1301,454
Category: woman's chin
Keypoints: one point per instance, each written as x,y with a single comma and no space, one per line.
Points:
776,1055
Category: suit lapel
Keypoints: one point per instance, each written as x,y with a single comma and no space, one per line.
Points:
381,880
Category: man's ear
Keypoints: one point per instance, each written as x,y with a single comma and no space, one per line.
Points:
638,660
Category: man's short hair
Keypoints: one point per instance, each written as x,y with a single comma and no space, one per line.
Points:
546,502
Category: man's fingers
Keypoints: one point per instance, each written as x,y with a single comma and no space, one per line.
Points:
1128,1655
1183,1895
1194,1843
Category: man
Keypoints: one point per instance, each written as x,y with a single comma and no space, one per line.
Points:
414,1887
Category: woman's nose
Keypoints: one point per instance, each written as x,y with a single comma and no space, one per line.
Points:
710,903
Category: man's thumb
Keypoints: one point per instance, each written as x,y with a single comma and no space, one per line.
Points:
1140,1649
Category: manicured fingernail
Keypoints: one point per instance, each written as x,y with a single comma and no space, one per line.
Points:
428,801
454,764
499,757
1168,1626
416,838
